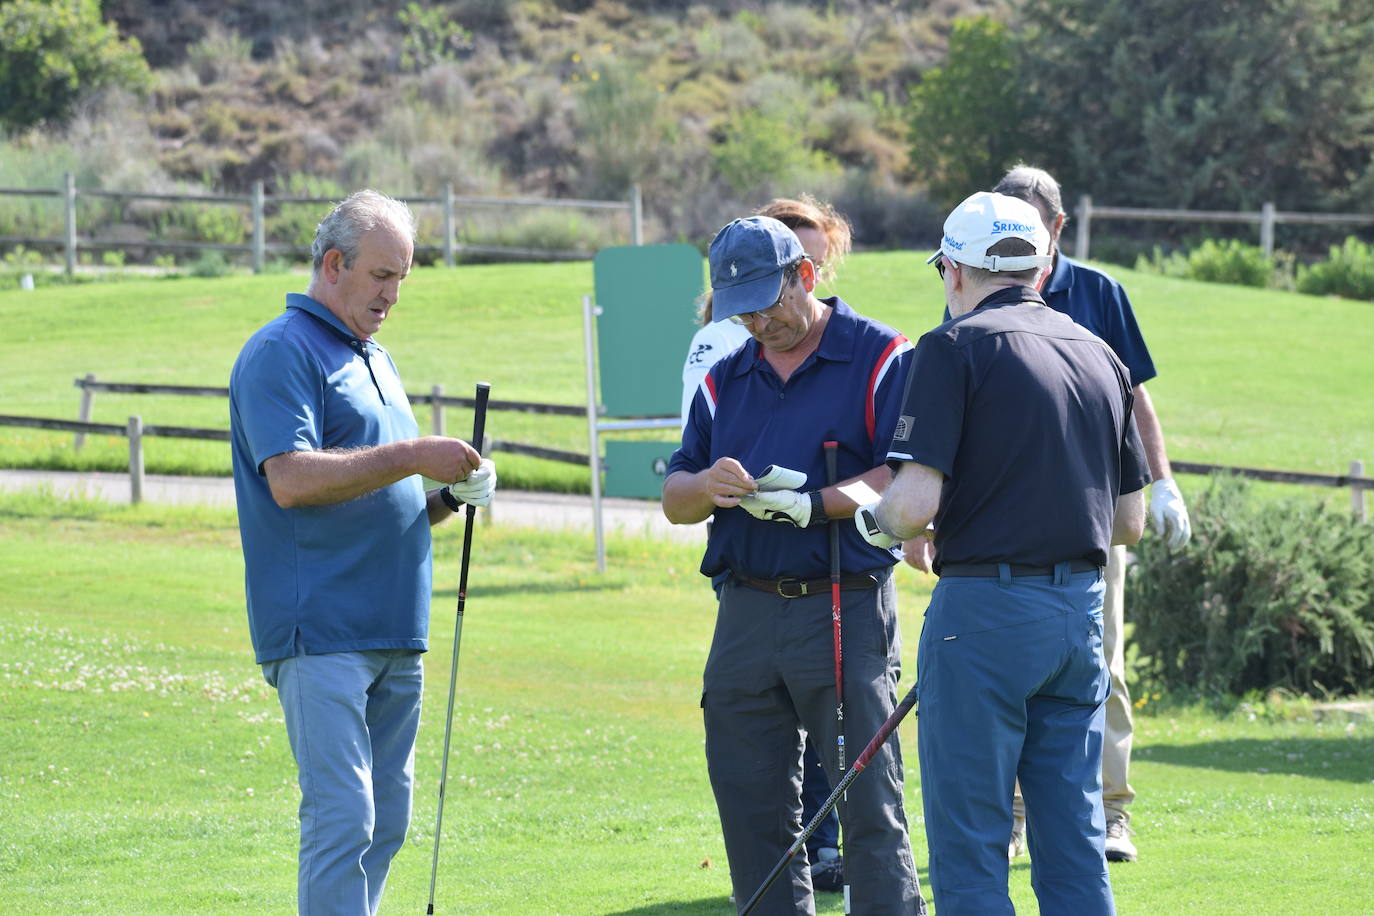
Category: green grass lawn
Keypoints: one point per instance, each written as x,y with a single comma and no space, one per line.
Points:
1247,377
146,768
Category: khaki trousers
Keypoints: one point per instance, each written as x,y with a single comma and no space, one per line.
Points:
1117,793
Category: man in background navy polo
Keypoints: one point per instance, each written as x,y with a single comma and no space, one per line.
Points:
1016,437
814,371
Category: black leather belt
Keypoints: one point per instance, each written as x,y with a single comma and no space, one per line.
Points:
800,588
993,570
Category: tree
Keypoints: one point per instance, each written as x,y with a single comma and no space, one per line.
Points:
55,52
968,117
1223,105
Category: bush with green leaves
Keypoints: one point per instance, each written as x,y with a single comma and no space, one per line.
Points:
1269,594
53,53
1226,261
1348,272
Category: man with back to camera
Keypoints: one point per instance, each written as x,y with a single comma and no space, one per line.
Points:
814,371
1016,437
335,523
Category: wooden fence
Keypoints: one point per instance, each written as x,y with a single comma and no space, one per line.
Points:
258,201
1267,217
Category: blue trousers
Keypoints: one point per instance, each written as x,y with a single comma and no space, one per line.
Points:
351,718
1012,683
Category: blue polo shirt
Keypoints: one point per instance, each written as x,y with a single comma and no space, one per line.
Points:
1100,304
348,576
848,390
1027,414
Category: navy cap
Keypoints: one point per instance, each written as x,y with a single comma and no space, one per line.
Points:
748,259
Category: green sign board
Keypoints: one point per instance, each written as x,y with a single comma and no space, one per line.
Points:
648,296
635,470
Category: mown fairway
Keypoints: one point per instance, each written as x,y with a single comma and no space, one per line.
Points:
1247,377
146,769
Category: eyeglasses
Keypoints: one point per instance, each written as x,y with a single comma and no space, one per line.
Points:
774,310
940,266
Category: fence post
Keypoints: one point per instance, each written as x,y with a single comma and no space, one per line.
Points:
1356,491
437,409
259,229
1085,222
448,224
636,216
135,460
83,413
69,211
1267,228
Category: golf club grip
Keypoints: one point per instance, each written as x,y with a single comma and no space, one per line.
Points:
879,739
479,417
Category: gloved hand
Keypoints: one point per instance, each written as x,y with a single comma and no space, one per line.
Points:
477,488
791,506
777,477
1168,514
866,520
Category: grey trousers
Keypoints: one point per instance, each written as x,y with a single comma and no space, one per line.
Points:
770,674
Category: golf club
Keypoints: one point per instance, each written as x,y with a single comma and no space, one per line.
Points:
479,423
884,732
831,478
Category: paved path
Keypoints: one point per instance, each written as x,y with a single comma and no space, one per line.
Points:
514,507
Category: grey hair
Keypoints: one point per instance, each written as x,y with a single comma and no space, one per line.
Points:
1035,186
360,212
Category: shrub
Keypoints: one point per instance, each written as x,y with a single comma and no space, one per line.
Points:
1226,261
1272,594
1349,272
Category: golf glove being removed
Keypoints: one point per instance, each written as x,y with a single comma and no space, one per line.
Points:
866,520
1168,514
777,477
801,510
477,488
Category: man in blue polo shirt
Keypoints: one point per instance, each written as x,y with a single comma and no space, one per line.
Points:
1016,438
814,371
335,524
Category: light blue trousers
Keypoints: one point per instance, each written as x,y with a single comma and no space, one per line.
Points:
1012,683
351,718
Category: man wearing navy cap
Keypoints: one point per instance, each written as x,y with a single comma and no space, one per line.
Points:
1017,437
814,371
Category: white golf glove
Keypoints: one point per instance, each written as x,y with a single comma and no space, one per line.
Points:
777,477
477,488
866,520
791,506
1168,514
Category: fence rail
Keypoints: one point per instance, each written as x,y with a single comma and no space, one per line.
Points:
1267,217
258,201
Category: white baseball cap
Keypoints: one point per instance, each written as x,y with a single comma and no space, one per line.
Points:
983,220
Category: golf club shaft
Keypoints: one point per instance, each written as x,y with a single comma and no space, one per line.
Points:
884,732
832,477
479,424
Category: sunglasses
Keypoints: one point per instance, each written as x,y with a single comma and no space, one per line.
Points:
774,310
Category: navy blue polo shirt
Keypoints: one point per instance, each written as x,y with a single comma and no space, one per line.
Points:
344,577
1028,416
848,390
1099,303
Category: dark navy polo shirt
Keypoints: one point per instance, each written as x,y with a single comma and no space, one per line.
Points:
848,390
344,577
1028,416
1099,303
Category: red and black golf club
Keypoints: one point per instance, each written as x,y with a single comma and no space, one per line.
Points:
837,628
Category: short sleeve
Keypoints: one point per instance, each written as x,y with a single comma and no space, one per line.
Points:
1135,468
279,398
931,420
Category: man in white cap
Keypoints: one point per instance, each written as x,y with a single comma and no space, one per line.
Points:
1016,437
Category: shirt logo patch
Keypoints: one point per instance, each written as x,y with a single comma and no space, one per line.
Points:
734,271
903,429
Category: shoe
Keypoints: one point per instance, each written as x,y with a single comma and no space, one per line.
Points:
1119,845
1016,846
827,872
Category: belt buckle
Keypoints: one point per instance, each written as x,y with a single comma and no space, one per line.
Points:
784,585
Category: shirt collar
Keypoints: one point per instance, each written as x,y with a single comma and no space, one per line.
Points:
1010,295
837,340
319,310
1062,277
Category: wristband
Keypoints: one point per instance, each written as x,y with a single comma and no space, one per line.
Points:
454,503
817,509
